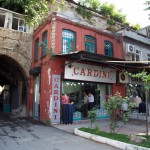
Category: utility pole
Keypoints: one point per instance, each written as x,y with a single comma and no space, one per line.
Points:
146,95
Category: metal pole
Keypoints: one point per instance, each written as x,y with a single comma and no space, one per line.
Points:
146,94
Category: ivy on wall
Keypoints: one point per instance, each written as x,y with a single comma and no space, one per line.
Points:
107,10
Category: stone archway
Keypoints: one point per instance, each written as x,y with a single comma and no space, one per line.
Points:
14,80
15,63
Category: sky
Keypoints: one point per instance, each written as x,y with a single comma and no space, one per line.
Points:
133,9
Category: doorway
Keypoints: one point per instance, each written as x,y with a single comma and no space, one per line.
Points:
36,97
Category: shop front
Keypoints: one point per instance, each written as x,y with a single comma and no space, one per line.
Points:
80,79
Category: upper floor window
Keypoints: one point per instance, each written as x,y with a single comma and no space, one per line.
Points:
136,56
18,24
2,20
90,44
45,43
108,48
36,50
68,41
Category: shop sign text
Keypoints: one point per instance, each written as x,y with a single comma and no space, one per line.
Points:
93,73
55,108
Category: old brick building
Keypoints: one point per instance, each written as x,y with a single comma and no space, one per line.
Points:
74,61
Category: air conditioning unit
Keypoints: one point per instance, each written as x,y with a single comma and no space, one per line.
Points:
130,48
123,78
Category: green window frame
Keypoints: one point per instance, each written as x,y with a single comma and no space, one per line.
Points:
108,48
68,41
45,43
90,44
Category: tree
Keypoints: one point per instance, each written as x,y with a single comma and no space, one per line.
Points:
145,77
108,10
114,107
33,10
148,6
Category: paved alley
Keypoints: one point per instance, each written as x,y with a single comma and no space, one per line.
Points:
28,134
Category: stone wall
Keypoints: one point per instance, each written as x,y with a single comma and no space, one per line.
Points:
18,46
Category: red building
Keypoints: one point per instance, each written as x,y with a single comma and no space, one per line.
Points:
73,58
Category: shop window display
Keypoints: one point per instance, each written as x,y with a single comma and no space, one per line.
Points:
76,91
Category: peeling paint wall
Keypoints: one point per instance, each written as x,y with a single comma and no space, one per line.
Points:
68,10
16,45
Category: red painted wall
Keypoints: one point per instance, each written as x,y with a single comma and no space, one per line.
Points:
119,88
80,34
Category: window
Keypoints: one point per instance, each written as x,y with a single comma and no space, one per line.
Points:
18,24
75,90
136,56
68,41
90,44
36,50
2,20
44,40
108,48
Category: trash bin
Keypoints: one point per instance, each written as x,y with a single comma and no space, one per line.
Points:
67,113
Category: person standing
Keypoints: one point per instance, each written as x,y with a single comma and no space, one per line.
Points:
90,100
65,114
85,105
137,101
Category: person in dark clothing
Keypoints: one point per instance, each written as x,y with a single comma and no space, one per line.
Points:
142,107
1,103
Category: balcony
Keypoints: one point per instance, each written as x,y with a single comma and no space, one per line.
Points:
13,21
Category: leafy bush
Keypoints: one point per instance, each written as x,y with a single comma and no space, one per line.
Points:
92,115
114,109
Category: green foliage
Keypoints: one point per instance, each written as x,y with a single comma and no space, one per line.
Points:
113,107
48,122
144,76
107,10
33,10
48,50
148,5
115,136
84,13
94,4
92,116
111,22
119,17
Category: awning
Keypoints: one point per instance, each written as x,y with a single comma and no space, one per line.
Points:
100,59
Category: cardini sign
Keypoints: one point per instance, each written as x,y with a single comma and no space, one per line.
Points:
55,103
79,71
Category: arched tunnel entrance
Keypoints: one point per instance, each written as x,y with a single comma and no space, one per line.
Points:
13,81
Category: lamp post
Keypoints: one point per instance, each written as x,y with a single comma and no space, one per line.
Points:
146,96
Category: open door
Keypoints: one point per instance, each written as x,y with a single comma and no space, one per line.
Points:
36,96
6,101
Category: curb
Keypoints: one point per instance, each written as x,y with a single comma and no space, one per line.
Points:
108,141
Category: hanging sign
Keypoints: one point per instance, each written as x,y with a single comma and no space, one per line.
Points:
79,71
55,101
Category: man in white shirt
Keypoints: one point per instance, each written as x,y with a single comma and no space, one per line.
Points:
90,100
137,101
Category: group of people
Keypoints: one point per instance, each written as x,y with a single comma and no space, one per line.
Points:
88,102
140,104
